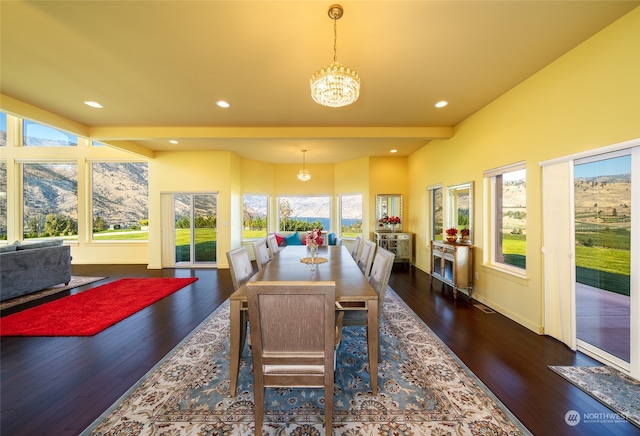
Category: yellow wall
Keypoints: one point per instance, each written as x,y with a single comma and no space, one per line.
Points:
586,99
192,172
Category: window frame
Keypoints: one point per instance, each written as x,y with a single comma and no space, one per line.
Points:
340,209
267,198
431,212
493,225
284,196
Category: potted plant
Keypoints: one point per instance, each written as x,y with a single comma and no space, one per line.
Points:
464,235
452,234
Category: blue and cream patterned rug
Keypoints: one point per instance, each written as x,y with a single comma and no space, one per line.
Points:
618,391
424,389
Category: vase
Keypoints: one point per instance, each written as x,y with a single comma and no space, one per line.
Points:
452,238
464,239
313,257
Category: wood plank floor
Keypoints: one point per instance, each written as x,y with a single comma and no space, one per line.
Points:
58,386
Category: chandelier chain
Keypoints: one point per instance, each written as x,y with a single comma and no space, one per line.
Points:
335,39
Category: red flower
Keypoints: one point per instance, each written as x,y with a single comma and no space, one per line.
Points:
452,231
314,238
464,232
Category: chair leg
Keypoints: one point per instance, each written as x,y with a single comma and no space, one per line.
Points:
258,408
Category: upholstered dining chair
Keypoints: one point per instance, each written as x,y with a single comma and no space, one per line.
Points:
272,243
241,271
357,248
379,279
366,258
261,252
293,332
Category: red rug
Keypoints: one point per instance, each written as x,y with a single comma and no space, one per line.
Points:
90,312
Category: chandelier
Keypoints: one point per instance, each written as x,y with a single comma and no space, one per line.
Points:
303,174
335,85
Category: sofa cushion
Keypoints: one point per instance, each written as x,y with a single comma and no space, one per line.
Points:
293,239
8,248
332,238
279,239
40,244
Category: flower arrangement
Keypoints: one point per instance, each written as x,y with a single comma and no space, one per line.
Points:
314,238
390,220
452,231
464,233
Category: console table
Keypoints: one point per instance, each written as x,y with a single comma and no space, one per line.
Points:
452,263
400,244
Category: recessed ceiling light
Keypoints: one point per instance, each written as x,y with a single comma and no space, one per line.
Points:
223,103
93,104
393,151
173,141
441,103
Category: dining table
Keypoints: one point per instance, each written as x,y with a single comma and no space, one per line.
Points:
353,292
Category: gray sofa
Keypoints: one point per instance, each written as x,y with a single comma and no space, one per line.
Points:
31,267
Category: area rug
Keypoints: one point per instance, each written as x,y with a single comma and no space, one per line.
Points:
424,389
618,391
90,312
75,282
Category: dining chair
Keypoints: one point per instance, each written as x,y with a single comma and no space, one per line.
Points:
261,251
241,271
366,258
272,243
357,248
293,332
378,279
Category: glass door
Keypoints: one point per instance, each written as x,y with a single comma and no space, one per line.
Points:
195,229
603,251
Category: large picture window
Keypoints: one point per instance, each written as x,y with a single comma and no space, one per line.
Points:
350,215
39,135
509,215
300,213
119,200
50,200
254,216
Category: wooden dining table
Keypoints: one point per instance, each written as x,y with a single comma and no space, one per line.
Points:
353,292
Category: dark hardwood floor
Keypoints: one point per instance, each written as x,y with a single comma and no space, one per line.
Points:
58,386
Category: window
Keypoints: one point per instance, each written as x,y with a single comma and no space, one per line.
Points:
3,201
436,213
3,129
350,215
39,135
508,215
119,200
254,216
50,200
297,213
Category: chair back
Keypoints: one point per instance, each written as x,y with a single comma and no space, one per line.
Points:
357,248
380,273
240,266
366,258
272,243
261,252
292,327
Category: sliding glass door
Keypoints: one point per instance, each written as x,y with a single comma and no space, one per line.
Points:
195,229
604,200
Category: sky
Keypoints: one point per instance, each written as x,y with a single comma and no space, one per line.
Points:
606,167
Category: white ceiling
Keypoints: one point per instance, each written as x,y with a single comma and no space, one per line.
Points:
159,67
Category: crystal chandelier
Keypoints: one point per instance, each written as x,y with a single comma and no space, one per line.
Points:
303,174
335,85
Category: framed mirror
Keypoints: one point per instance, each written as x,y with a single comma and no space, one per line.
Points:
460,209
388,206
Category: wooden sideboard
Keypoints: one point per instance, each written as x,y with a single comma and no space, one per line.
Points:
452,263
400,244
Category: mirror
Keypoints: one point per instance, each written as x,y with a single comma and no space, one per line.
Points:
460,208
388,205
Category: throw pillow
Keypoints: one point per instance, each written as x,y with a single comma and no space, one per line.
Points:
332,238
293,239
279,239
